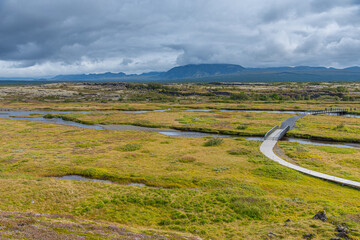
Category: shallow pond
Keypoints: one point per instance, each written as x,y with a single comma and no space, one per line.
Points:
81,178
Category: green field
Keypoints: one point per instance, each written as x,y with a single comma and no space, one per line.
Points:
188,189
178,187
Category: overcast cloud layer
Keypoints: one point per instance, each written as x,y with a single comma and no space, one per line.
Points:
42,37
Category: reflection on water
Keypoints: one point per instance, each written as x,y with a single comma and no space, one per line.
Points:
80,178
321,143
195,134
249,111
15,114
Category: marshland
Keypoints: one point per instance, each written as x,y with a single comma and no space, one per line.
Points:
216,186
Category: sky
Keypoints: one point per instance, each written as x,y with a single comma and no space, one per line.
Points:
46,38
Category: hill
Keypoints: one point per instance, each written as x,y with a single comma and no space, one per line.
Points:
201,70
224,73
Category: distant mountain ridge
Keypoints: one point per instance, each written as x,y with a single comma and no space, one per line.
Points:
225,73
187,71
89,76
202,70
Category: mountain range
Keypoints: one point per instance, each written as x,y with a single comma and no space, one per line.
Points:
224,73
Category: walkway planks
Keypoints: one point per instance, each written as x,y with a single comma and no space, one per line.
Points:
270,141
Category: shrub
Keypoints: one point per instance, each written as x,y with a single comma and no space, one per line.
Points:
213,142
242,127
239,96
130,147
48,116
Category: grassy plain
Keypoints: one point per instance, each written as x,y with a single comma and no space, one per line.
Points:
337,161
150,96
189,191
328,127
138,106
194,187
233,123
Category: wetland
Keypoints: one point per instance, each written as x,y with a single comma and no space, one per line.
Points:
186,166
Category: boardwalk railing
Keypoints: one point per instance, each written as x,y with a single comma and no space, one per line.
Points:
328,111
270,132
277,133
283,132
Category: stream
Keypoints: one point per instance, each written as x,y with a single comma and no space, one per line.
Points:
13,114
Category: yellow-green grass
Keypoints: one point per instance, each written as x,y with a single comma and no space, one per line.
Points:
236,123
245,105
227,191
328,127
337,161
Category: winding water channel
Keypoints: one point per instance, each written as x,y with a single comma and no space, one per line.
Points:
19,114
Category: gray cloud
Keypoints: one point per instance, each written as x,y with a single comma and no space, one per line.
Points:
42,37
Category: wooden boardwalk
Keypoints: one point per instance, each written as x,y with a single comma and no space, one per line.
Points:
277,133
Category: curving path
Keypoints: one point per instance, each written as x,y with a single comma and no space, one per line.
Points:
276,134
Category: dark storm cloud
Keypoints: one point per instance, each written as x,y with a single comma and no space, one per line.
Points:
41,37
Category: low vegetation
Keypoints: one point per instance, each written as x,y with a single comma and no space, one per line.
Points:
213,142
219,122
337,161
328,127
176,187
191,190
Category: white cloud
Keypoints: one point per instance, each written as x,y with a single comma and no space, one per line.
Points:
42,37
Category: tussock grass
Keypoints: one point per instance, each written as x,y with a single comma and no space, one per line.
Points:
213,142
130,147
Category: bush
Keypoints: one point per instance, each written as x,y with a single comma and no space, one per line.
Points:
49,116
242,127
130,147
239,96
213,142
